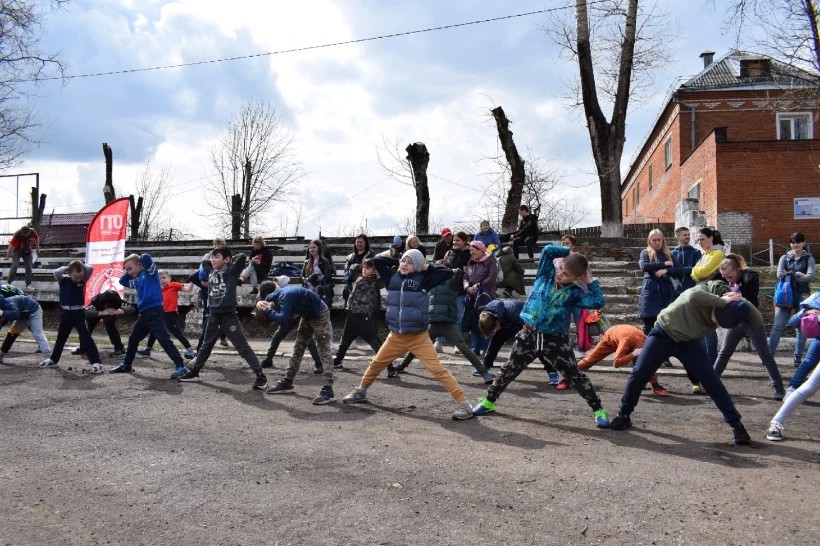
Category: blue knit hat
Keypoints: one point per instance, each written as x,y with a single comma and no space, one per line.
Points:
397,240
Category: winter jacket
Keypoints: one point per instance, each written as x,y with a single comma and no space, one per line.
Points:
708,264
802,269
407,300
365,298
483,272
149,292
656,292
507,312
355,259
222,286
265,261
513,271
325,269
749,285
686,257
18,307
527,227
441,250
457,259
443,306
549,307
291,301
489,238
72,294
8,290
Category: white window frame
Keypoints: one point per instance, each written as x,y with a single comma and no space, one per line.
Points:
667,153
792,116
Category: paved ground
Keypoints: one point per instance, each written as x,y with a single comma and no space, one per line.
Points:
141,459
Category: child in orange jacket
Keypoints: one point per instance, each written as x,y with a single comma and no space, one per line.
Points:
626,342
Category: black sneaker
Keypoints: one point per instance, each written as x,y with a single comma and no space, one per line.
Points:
78,351
261,382
621,422
741,436
282,386
797,361
337,365
400,368
190,375
267,363
325,397
117,352
317,370
392,371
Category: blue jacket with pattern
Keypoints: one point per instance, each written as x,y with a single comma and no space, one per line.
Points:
549,307
407,300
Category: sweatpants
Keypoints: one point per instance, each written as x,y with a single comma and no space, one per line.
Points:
206,312
35,324
811,386
759,342
449,332
230,324
358,325
317,329
692,354
420,345
70,319
498,339
282,332
151,321
555,348
172,322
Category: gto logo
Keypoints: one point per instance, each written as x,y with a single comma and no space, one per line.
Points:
110,224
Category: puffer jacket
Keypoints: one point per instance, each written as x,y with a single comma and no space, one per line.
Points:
443,306
407,300
483,272
802,269
513,271
549,307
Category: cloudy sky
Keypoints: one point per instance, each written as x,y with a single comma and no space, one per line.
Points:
337,102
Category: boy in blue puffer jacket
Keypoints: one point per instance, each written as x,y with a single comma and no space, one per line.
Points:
22,312
408,320
545,316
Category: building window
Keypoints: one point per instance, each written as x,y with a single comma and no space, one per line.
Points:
636,194
794,126
667,153
694,192
650,177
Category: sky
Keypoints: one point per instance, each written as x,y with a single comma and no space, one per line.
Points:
338,103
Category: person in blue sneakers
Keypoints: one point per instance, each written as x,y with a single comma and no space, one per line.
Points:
142,275
222,283
280,306
678,332
545,315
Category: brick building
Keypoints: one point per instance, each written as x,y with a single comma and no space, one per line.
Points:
734,147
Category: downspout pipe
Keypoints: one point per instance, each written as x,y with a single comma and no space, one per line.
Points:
693,116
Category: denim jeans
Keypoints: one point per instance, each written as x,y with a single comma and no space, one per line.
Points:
151,321
781,318
809,363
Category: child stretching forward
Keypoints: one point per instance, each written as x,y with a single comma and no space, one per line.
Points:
222,302
626,342
141,275
545,315
72,279
407,318
24,311
170,306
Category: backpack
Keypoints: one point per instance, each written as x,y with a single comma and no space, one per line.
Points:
810,326
499,276
784,292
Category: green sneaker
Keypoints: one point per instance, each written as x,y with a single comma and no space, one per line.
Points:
484,407
601,418
698,389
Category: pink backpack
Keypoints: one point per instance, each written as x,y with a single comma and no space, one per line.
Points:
810,325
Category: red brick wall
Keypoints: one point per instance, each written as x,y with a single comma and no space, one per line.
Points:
700,166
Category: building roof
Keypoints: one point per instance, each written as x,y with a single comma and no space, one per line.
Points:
65,228
68,219
728,72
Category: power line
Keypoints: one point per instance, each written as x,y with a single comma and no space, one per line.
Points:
298,49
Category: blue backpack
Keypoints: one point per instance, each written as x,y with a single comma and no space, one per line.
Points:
784,292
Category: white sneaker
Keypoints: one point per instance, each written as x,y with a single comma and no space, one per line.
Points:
775,433
463,411
789,392
48,363
456,351
437,346
96,368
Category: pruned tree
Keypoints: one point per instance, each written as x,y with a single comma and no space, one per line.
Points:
22,62
152,223
254,159
410,169
629,43
108,188
787,29
516,169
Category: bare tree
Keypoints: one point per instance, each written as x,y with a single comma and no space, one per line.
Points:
253,158
411,170
612,70
788,29
151,187
21,63
517,170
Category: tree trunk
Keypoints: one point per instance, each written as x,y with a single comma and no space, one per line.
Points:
108,189
811,15
136,216
607,138
419,158
38,206
517,171
236,216
246,213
